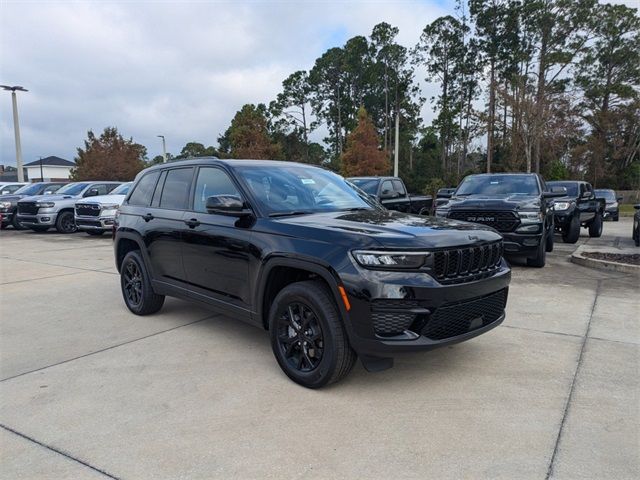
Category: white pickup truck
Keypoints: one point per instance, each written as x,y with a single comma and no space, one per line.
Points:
96,215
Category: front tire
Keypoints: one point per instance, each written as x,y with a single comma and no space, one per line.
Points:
548,246
15,223
595,227
308,338
135,284
572,233
540,258
65,223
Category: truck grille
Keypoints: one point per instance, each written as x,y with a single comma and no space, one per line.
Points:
27,208
87,209
467,264
457,319
501,221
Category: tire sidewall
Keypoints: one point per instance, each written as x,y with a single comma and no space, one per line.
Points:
59,225
295,293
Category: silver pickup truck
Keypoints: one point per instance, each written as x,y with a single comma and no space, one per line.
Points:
43,212
96,215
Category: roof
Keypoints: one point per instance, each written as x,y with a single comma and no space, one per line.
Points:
229,162
51,162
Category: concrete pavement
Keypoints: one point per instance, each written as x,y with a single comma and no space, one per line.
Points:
88,390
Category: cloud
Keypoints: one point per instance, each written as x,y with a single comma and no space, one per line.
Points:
181,69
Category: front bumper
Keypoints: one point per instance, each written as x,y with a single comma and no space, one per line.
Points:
39,219
102,224
610,212
393,312
521,244
5,217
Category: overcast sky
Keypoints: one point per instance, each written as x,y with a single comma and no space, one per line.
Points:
181,69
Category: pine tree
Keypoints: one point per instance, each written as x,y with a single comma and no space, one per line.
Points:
363,155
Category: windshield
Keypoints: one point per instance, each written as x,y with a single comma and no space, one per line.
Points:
498,185
72,189
31,189
572,187
121,190
609,195
298,189
367,185
10,188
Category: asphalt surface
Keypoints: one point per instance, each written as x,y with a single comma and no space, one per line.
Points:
88,390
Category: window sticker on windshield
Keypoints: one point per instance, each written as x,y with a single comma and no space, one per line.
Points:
495,182
308,181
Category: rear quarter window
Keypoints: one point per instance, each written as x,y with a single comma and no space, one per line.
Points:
141,195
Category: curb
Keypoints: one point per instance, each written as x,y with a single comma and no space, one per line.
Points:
577,257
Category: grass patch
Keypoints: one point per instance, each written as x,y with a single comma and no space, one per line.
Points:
627,210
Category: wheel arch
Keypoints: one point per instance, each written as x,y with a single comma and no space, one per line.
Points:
125,243
278,272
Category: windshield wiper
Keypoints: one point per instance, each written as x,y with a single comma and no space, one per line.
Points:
355,209
289,214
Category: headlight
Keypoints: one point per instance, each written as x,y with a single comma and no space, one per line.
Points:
561,206
530,217
442,212
112,206
45,204
390,260
5,204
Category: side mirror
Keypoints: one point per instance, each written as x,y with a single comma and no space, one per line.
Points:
445,193
5,192
387,194
48,192
586,195
92,192
619,199
555,192
230,205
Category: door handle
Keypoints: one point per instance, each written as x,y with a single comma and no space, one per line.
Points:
193,223
148,217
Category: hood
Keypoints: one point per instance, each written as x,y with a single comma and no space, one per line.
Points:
104,199
494,202
50,198
384,228
10,198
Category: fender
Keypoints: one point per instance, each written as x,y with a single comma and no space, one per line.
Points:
311,264
134,236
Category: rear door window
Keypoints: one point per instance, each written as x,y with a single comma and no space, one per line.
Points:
141,195
175,193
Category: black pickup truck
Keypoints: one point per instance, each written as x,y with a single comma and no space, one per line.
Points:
516,205
392,194
579,208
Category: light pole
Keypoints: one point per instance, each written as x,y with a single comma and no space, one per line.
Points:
164,149
16,127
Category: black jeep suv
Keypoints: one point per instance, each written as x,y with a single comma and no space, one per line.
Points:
301,252
580,207
517,205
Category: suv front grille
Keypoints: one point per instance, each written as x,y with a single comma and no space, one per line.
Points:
389,318
501,221
467,264
87,209
27,208
457,319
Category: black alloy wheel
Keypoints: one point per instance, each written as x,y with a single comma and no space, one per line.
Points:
132,284
136,286
571,233
66,223
300,337
308,337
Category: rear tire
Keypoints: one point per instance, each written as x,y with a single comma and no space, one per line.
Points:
595,227
66,223
540,258
308,338
135,284
572,233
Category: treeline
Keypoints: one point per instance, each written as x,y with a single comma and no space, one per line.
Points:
550,86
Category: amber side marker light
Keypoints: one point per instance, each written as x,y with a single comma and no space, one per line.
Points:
345,299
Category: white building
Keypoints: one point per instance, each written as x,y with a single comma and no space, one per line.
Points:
50,169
